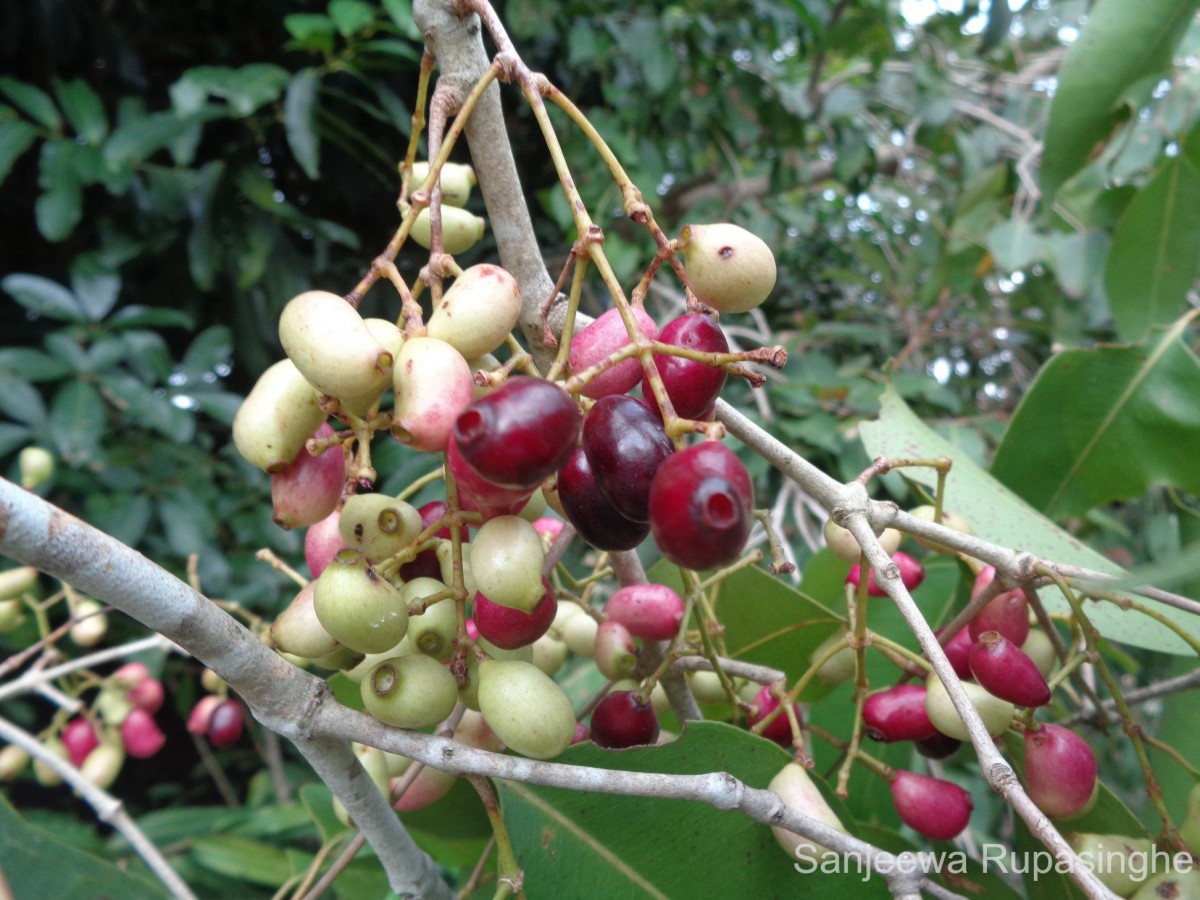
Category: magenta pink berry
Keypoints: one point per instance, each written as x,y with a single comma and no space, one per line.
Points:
79,739
898,714
141,735
509,628
1060,770
130,675
601,339
650,611
322,542
548,527
1007,612
958,651
912,573
148,695
201,714
1005,671
780,729
937,809
309,487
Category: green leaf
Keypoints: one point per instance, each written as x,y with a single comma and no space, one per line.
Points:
34,102
569,842
44,297
1121,43
37,863
209,351
1078,259
400,12
96,286
999,515
1014,244
120,515
150,317
350,16
141,137
32,365
306,26
766,621
60,207
1153,262
12,437
318,800
77,422
246,89
84,109
1104,424
20,400
247,860
299,108
15,138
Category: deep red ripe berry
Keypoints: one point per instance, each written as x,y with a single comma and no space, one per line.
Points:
477,494
625,442
912,573
940,746
898,714
80,740
510,628
619,720
593,516
141,735
702,506
322,542
958,651
1007,612
692,386
426,564
930,806
225,726
1060,770
1004,671
780,729
650,611
518,434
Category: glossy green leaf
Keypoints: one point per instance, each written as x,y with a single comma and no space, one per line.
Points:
60,207
350,16
246,89
1153,262
766,621
77,421
400,12
1097,71
578,844
998,514
96,287
299,110
20,400
247,860
139,138
15,138
84,109
1104,424
37,863
33,101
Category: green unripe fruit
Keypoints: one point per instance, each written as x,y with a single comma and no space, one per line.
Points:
409,692
332,347
445,555
549,654
460,229
36,465
996,713
371,660
431,632
112,705
478,312
526,710
1116,860
378,525
951,520
13,761
433,385
42,771
456,181
534,508
1189,831
297,630
706,687
279,414
506,559
468,691
1171,886
12,614
579,634
340,659
89,631
844,545
374,763
358,608
798,791
728,268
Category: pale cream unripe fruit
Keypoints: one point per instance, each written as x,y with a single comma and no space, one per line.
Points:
379,525
445,556
579,634
728,267
996,713
359,608
433,385
478,312
92,624
18,581
841,666
1040,649
844,545
798,791
456,181
1104,852
468,691
413,691
391,338
526,710
951,520
506,559
460,229
332,346
278,415
36,466
103,764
